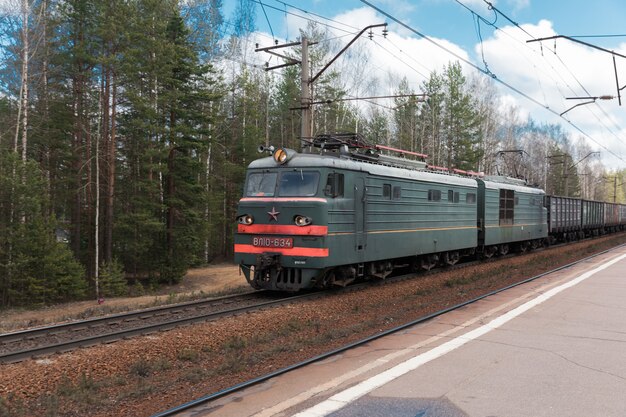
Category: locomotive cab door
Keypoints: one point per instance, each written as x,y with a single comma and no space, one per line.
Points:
360,204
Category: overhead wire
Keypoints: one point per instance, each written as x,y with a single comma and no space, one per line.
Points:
509,86
315,14
352,30
565,66
300,16
268,20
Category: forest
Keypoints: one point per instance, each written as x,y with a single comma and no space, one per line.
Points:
126,127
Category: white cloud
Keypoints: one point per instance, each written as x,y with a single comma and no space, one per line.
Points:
399,54
550,72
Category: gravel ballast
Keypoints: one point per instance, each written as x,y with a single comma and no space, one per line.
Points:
148,374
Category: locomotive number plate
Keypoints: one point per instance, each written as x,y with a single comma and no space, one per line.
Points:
272,242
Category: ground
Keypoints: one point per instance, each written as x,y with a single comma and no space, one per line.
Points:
145,375
214,279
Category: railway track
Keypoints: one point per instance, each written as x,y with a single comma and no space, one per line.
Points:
40,341
58,338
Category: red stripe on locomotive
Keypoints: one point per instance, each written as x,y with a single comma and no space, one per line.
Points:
295,251
282,229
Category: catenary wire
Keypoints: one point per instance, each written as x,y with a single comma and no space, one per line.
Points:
565,66
511,87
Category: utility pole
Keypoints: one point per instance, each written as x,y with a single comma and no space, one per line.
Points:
306,80
306,128
305,91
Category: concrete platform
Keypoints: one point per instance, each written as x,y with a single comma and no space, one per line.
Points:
553,347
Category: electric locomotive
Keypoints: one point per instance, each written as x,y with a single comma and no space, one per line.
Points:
343,211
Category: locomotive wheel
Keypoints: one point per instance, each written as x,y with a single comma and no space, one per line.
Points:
327,280
504,249
451,258
523,247
429,262
489,251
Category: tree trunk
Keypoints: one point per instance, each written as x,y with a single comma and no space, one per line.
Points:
96,261
111,157
25,58
171,215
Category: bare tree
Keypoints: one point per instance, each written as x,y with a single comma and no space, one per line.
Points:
486,98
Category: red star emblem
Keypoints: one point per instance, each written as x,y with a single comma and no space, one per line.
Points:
273,214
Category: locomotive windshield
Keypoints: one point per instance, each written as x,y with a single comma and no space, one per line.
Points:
290,184
261,184
298,183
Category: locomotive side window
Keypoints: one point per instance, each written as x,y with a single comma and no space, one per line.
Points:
470,198
298,183
261,184
386,190
334,185
453,197
450,196
434,195
397,193
507,206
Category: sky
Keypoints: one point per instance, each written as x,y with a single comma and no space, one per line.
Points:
536,78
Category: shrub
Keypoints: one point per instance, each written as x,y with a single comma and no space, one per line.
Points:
112,280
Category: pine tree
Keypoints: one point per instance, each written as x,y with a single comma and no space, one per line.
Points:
405,118
430,119
461,122
36,269
169,93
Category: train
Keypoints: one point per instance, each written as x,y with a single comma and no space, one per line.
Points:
343,210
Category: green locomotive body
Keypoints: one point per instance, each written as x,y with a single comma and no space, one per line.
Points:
511,215
311,220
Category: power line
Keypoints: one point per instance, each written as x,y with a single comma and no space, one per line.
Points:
495,9
302,17
511,87
486,72
316,15
268,20
565,66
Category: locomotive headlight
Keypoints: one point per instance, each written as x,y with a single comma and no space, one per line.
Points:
245,219
282,155
300,220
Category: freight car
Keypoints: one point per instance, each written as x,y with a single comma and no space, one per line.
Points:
574,218
343,211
